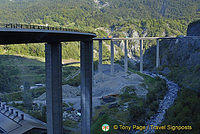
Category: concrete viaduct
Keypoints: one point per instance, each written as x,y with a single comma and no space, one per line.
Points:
141,39
125,51
19,34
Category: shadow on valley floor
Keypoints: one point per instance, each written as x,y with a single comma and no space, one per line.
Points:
15,70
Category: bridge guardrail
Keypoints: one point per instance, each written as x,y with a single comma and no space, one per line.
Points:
26,26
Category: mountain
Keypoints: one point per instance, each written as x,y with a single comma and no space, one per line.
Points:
116,18
95,12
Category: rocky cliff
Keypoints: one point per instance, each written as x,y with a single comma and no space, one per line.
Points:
179,59
194,29
176,52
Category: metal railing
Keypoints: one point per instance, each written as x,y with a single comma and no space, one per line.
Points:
41,27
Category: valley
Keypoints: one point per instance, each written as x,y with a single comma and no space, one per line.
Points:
169,94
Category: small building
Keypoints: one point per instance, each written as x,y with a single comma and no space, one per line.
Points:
14,121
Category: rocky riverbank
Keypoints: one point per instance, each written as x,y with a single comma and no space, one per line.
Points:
164,104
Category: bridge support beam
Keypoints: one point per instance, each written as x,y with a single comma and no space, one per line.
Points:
157,54
100,57
125,57
86,86
141,56
53,66
112,57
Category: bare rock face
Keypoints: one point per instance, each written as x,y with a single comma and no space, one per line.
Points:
180,52
194,29
101,4
184,53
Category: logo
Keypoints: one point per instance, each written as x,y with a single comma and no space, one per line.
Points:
105,127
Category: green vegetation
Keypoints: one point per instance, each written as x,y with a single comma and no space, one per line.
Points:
70,123
131,108
21,69
18,96
9,80
104,119
184,112
67,71
157,89
76,81
37,92
86,13
122,16
186,77
14,70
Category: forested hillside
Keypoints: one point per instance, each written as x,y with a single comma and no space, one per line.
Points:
113,17
92,13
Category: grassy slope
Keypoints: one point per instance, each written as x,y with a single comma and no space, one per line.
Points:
27,68
185,110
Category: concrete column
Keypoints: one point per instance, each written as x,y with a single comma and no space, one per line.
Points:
86,86
112,57
125,57
100,56
141,56
92,65
157,54
53,66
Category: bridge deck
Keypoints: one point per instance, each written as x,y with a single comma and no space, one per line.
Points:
19,36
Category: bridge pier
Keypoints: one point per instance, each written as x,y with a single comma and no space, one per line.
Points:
112,57
141,56
125,57
86,86
100,57
157,54
53,66
92,65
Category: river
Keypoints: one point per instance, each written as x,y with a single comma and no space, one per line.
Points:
166,103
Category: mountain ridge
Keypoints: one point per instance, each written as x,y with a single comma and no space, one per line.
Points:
30,11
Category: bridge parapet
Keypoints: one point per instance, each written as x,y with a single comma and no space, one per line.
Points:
42,27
